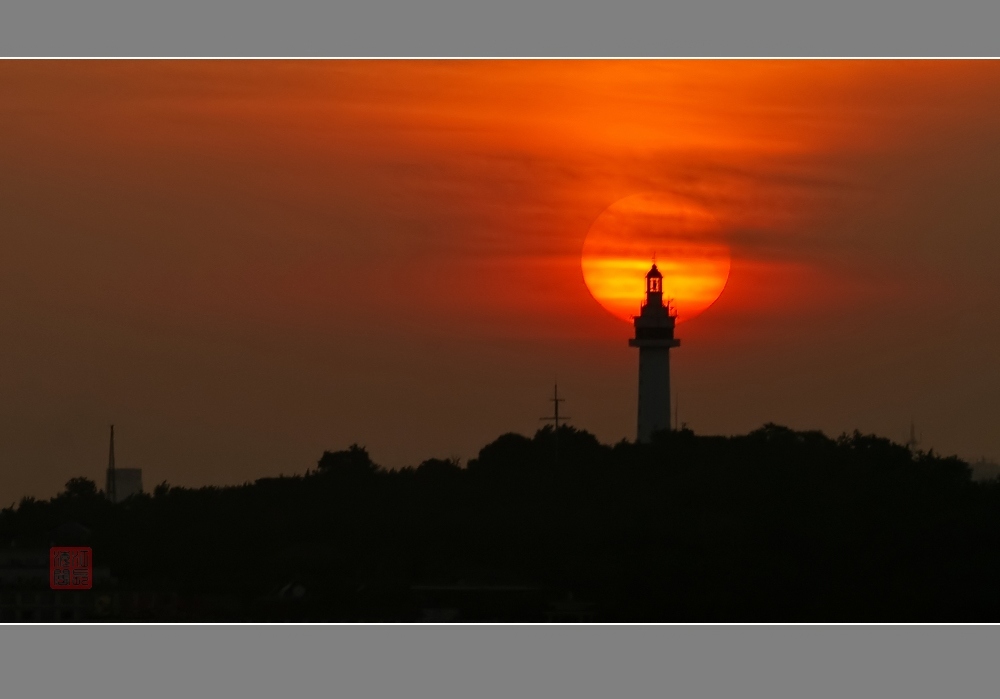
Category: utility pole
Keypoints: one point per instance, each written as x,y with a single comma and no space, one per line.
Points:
111,482
556,400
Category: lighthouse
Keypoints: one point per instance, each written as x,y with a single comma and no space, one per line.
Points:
654,336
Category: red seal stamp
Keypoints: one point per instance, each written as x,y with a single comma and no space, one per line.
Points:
71,568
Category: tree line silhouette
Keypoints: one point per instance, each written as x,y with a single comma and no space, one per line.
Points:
773,526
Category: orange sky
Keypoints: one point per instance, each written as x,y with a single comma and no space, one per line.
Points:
242,263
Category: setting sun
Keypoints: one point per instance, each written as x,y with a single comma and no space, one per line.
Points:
684,238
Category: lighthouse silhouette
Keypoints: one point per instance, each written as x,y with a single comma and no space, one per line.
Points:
654,336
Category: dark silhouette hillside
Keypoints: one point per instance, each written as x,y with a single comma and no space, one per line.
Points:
776,525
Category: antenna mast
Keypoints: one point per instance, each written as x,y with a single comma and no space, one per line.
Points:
556,400
912,442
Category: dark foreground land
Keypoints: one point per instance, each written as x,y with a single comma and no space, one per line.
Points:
772,526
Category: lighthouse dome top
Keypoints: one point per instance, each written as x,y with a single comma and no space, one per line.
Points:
653,272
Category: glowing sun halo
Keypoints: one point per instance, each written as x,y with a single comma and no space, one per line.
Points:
686,240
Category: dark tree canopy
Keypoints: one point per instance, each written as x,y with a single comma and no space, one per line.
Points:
775,525
441,468
80,488
353,461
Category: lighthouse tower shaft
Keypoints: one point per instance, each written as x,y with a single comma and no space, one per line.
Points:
654,336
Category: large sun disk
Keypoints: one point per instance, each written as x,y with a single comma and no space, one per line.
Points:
687,243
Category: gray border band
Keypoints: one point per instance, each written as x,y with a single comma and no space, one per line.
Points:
691,662
535,28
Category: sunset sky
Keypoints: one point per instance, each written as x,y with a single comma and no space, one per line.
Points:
244,263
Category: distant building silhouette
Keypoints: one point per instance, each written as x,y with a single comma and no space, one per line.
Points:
984,469
654,336
128,482
121,483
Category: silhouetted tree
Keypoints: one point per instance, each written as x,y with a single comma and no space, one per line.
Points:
439,468
80,488
508,452
353,461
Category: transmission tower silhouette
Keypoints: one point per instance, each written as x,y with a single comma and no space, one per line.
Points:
556,400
